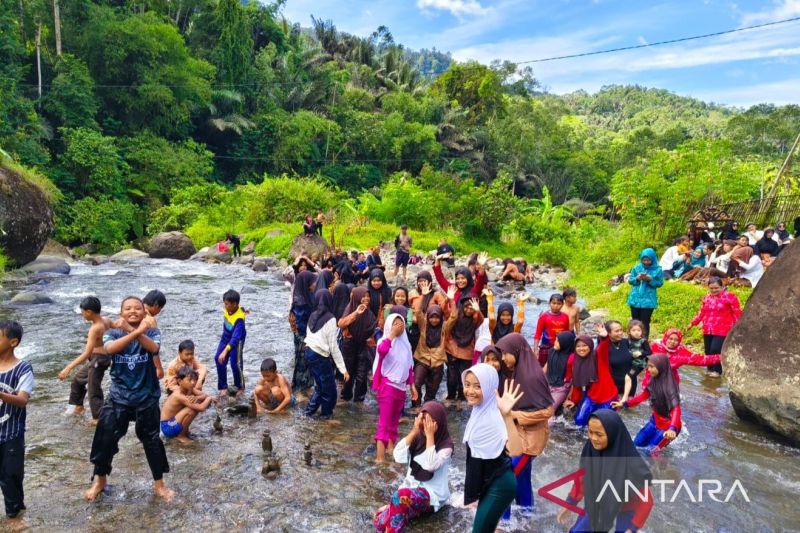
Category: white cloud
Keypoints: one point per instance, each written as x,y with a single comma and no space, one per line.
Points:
779,92
781,10
456,7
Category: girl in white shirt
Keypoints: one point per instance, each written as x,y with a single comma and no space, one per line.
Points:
748,265
426,450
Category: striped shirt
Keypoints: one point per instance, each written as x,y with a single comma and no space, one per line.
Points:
17,379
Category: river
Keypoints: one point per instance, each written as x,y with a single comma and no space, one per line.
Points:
218,481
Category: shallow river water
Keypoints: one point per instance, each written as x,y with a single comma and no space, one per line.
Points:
218,481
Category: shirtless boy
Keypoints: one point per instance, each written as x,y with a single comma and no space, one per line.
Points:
182,406
273,393
572,309
90,375
185,359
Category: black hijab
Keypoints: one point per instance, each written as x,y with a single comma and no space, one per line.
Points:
301,292
426,299
433,335
783,234
341,297
441,440
324,279
527,373
729,233
322,314
584,369
557,359
364,325
467,273
664,392
378,297
463,331
618,463
766,245
500,329
345,270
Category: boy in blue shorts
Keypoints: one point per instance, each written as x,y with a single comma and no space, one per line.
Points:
182,406
231,346
16,387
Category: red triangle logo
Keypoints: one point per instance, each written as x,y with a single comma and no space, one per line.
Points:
544,492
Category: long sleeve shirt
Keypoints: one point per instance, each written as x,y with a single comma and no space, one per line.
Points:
444,283
233,331
432,357
679,357
549,326
463,352
604,389
718,313
324,342
383,350
641,507
672,422
438,486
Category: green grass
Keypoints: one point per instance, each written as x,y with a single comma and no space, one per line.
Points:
50,191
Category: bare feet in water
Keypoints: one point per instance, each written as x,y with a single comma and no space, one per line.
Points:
96,488
162,491
92,422
184,439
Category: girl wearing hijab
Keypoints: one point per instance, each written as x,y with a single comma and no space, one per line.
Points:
341,297
460,341
426,450
645,278
748,266
321,346
671,345
430,354
782,235
392,372
767,246
593,388
419,301
609,456
379,294
503,323
730,231
558,369
399,303
490,438
358,328
303,304
531,413
719,312
464,282
325,279
665,400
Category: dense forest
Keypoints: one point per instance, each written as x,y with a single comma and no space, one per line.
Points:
217,115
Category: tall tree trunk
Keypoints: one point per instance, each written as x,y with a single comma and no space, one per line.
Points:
39,56
57,26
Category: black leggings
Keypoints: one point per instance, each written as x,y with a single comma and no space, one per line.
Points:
12,473
713,346
112,426
643,314
456,367
358,361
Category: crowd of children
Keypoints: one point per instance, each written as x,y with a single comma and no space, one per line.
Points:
409,341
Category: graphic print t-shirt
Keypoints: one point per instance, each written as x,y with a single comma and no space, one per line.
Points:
133,375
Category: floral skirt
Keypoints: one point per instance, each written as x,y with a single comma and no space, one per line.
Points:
406,504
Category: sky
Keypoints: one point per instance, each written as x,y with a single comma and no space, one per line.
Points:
739,69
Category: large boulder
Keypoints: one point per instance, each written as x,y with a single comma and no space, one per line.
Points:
30,298
26,218
172,245
312,247
56,249
761,355
45,264
131,254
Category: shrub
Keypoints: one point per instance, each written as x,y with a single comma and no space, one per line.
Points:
108,224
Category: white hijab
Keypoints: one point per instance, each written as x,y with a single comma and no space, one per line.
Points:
400,358
486,432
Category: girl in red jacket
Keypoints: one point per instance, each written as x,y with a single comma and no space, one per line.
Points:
593,387
671,345
664,395
719,312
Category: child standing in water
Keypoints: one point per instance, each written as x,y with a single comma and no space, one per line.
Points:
665,399
593,387
559,367
460,344
134,397
430,354
90,376
679,355
182,406
16,388
392,372
572,309
154,302
609,457
301,308
322,354
231,346
549,325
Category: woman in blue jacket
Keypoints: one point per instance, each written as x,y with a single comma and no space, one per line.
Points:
646,278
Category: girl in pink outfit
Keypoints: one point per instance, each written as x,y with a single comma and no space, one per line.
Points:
392,372
719,312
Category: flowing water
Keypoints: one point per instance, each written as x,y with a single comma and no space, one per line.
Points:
218,479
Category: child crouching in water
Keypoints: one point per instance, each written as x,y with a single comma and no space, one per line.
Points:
392,372
182,406
273,393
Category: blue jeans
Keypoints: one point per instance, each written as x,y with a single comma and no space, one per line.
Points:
586,408
650,437
324,384
624,523
523,465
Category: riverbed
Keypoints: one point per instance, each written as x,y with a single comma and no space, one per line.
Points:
218,481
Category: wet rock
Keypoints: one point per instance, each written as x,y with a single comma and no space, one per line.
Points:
26,218
30,298
248,289
217,425
172,245
130,254
250,248
201,255
96,259
761,356
259,265
45,264
215,256
313,247
244,260
55,249
266,442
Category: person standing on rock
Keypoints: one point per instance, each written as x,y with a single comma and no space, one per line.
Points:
320,220
719,312
403,245
645,278
236,244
